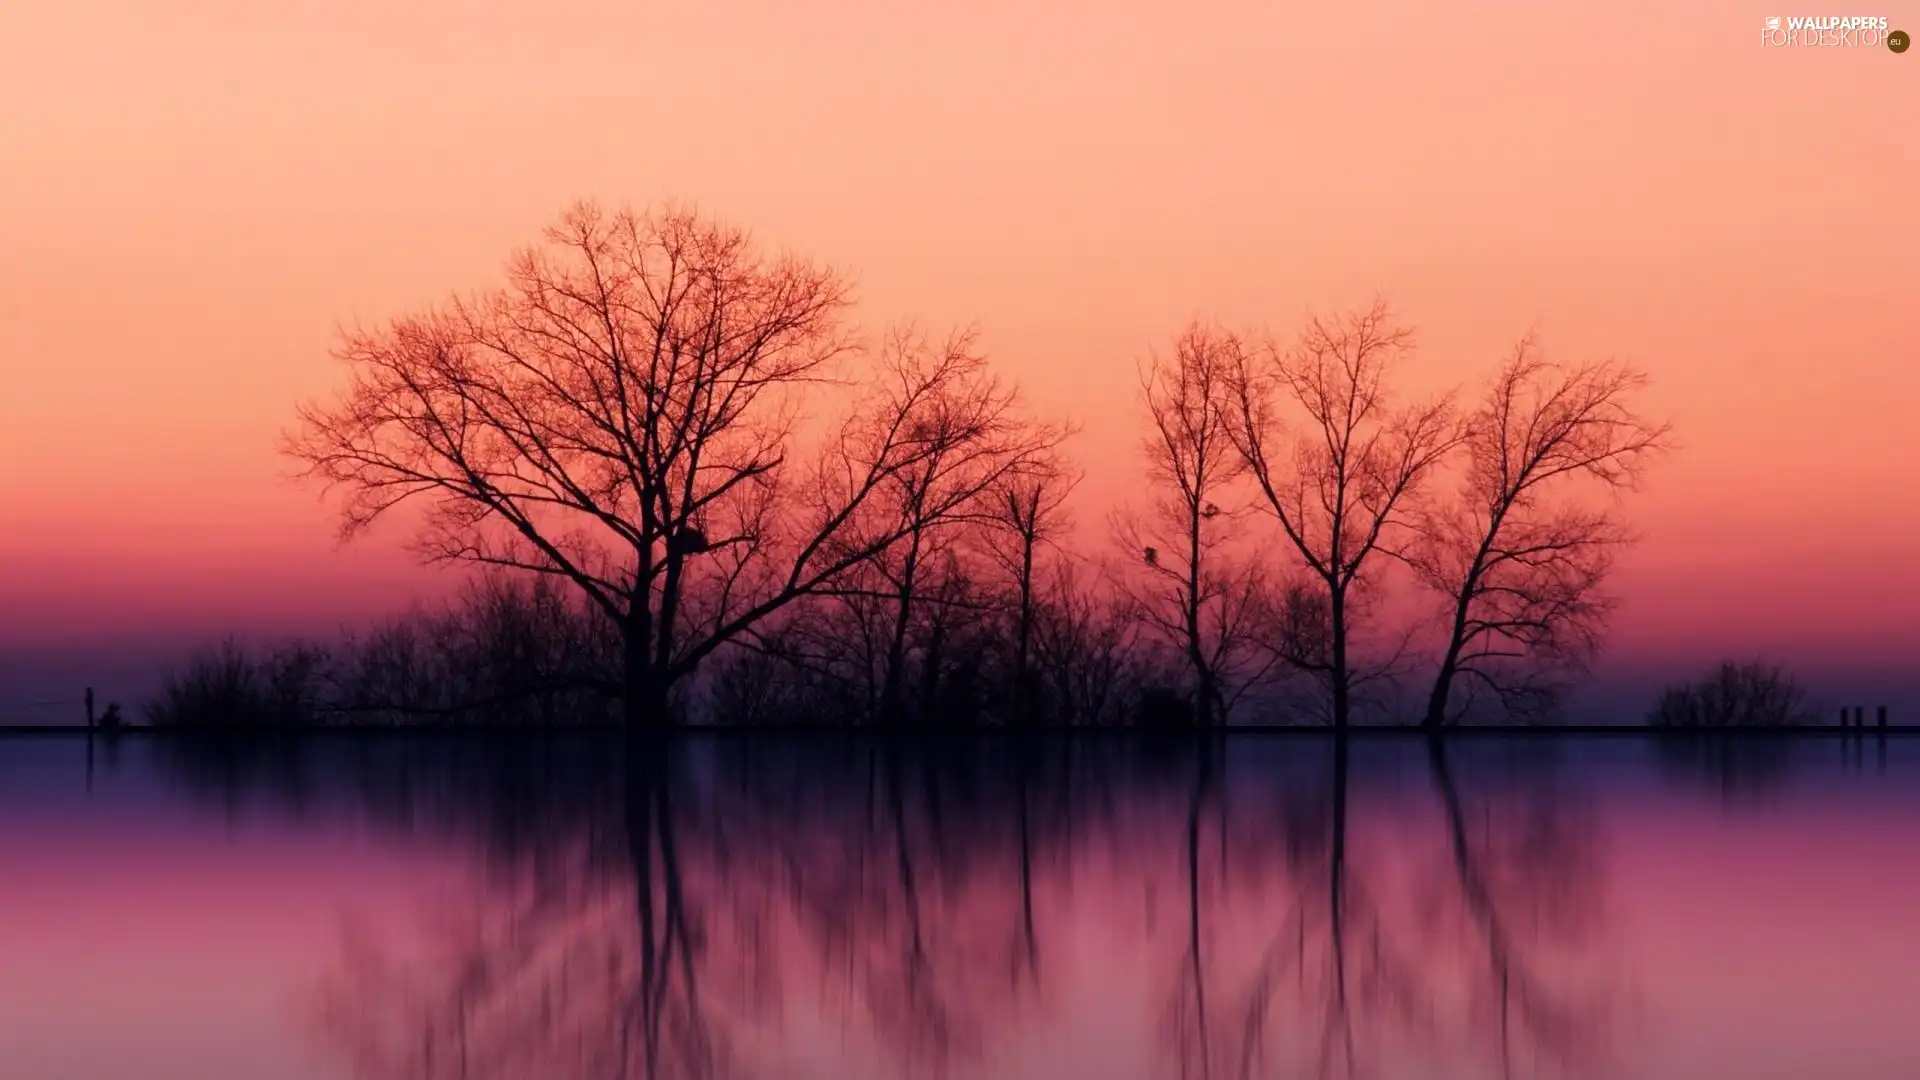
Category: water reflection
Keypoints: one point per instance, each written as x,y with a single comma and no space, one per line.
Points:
737,907
1742,770
1347,944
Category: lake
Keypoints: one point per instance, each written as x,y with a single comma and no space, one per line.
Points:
416,905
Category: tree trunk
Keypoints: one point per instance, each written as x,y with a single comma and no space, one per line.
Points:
1442,689
1342,689
1204,689
643,690
1022,675
893,703
931,670
1205,712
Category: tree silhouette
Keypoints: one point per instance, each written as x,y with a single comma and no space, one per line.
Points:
626,438
976,446
1185,582
1028,514
1337,464
1519,561
1085,651
624,415
1751,694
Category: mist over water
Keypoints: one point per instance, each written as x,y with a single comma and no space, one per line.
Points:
556,906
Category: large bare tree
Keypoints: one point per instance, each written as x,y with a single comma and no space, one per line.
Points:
1336,461
626,413
1520,556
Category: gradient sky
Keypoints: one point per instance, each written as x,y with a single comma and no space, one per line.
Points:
194,195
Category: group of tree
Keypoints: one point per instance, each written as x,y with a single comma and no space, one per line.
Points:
706,496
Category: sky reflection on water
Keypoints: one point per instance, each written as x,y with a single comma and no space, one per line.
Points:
407,906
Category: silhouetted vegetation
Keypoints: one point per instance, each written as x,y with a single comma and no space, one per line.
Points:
512,651
1753,694
677,528
1192,593
1338,464
626,416
1520,566
229,686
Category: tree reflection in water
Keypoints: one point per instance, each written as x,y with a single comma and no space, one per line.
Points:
1382,945
687,909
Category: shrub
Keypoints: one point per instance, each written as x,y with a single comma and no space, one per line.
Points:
1753,694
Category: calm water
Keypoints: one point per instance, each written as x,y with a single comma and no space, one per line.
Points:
510,907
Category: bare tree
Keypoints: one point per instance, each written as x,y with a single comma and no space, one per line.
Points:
624,415
1518,557
974,443
1336,462
1029,512
1084,650
1189,590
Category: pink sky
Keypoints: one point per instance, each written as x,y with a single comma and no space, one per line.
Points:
196,194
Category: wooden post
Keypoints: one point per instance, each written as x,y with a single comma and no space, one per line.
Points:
89,706
1883,717
1845,718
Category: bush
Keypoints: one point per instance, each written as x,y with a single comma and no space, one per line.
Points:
505,652
1753,694
227,686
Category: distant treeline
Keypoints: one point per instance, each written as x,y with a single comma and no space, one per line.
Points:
523,652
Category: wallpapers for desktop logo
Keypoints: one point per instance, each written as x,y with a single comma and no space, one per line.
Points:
1832,31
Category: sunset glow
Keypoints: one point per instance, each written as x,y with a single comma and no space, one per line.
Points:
195,196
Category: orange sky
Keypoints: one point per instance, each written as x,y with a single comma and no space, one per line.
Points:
193,195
